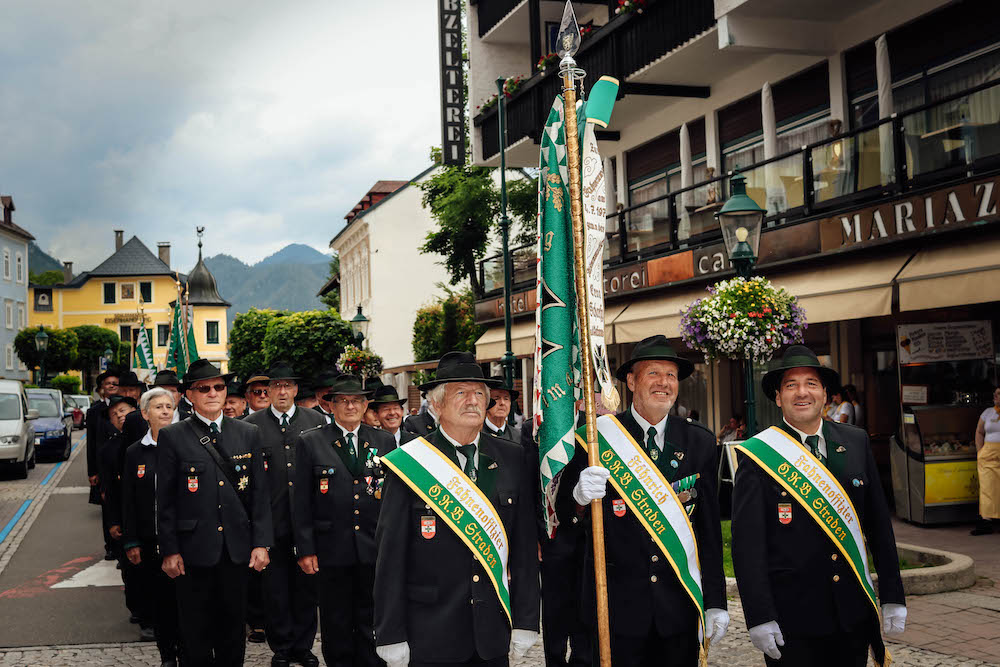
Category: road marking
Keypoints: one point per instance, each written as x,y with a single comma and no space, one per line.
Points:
42,583
51,472
103,573
14,519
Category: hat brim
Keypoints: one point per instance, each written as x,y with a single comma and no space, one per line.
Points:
492,384
514,393
226,377
684,367
328,396
772,379
378,402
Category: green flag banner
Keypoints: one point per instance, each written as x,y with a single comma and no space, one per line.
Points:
143,351
192,346
176,356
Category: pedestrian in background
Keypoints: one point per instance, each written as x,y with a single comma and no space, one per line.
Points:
988,467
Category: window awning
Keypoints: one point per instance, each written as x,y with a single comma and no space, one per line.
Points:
660,314
953,275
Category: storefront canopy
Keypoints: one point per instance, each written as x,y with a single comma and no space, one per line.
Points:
951,275
659,314
493,343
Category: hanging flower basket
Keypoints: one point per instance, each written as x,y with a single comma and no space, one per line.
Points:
547,60
359,362
629,6
743,318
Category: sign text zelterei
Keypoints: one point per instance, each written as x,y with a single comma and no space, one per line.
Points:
452,88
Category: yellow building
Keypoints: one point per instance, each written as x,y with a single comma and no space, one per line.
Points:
108,296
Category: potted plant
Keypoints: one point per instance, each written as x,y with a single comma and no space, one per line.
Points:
629,6
362,363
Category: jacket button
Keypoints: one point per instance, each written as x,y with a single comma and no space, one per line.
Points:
836,578
355,482
510,501
784,493
221,483
357,528
287,447
475,578
192,469
654,558
357,511
653,578
833,556
289,465
220,529
356,496
291,484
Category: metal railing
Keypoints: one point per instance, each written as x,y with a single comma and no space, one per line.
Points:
955,137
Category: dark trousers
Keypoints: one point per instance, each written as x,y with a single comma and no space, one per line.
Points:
346,615
256,608
157,601
561,621
211,605
839,650
473,662
651,651
291,602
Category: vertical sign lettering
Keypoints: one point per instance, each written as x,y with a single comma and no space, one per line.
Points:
452,89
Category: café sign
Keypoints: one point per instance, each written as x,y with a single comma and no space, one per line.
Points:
452,85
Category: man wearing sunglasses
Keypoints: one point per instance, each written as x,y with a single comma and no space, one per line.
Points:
214,518
289,596
256,393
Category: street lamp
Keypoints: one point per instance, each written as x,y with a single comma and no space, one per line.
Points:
508,355
42,345
741,219
359,324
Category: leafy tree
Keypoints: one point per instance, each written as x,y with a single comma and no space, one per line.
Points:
309,340
67,384
449,324
246,340
465,203
46,278
60,354
332,298
92,341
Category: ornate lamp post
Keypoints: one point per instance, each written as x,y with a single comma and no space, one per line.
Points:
359,324
741,220
508,356
42,345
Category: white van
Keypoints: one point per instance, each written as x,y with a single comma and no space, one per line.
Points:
17,433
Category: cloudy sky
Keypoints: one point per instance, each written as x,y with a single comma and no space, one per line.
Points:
263,121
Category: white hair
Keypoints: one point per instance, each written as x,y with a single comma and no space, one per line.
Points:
155,392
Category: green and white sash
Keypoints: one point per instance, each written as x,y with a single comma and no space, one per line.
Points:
649,496
460,504
817,490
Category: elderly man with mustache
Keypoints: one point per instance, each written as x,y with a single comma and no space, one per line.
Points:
457,560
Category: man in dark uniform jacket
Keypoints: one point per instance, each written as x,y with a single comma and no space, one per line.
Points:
135,425
501,400
421,423
798,593
653,620
389,409
155,590
434,602
214,519
97,422
255,391
289,597
339,490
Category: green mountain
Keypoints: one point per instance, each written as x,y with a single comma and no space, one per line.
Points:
40,261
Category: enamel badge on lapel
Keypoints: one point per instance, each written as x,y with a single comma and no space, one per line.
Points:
841,449
324,484
141,471
428,527
618,507
265,465
785,513
674,464
492,466
856,482
654,454
243,483
192,483
679,455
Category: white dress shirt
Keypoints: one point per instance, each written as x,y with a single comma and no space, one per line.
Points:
290,412
803,434
660,426
461,456
207,422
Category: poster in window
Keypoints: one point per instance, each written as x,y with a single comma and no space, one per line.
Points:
128,291
944,341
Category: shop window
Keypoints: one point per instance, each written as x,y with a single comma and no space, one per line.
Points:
125,333
146,291
109,293
212,333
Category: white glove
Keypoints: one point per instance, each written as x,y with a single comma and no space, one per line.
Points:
893,619
395,655
716,623
592,485
767,638
521,641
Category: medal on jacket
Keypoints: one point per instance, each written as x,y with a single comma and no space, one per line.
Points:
192,483
785,513
324,484
243,483
368,485
140,472
428,527
618,507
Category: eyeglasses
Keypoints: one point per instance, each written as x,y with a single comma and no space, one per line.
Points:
259,392
349,401
205,388
278,386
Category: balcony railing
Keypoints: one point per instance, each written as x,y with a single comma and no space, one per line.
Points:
955,137
624,45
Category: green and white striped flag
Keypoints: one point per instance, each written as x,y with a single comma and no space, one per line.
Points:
143,351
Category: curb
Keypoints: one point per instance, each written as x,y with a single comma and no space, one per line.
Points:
949,571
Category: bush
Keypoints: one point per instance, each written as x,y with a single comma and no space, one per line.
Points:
310,341
67,384
246,340
449,324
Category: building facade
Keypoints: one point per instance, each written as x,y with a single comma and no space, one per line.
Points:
870,133
109,296
13,289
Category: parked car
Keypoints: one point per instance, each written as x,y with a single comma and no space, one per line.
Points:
54,426
17,428
79,404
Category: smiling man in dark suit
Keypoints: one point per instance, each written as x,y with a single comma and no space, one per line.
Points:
802,595
441,598
653,620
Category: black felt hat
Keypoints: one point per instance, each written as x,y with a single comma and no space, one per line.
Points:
326,378
514,393
459,367
282,370
115,400
111,372
385,395
797,356
166,379
346,385
130,379
234,388
374,384
203,369
305,391
655,348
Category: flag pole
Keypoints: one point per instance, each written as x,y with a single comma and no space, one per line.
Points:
569,42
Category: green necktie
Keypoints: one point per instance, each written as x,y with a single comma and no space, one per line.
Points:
651,448
213,428
350,450
812,441
284,419
469,452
